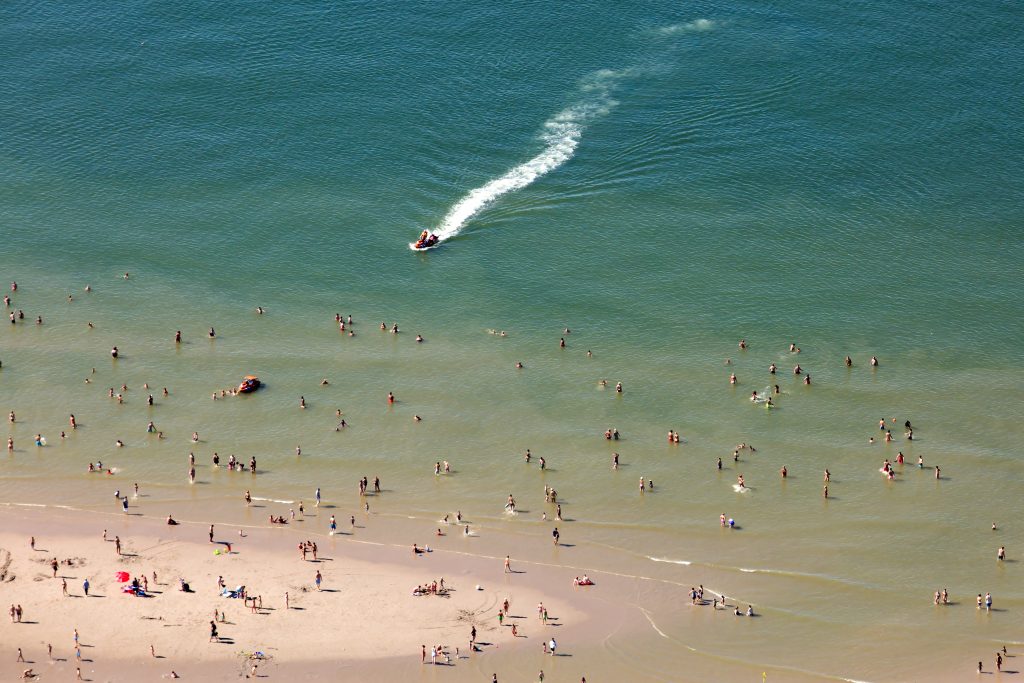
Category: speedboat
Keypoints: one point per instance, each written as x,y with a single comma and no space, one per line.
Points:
425,241
250,384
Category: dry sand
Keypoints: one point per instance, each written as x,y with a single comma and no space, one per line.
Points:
365,612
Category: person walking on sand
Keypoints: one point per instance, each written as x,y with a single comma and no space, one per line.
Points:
508,564
319,579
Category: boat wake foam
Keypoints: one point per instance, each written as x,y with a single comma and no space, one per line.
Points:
696,25
561,137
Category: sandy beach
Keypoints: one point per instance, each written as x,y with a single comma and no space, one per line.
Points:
365,611
364,623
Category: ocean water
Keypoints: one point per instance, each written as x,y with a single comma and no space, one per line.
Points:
664,180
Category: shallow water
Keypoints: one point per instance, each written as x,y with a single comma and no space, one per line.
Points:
663,183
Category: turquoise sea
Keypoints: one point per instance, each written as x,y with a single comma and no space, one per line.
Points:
663,179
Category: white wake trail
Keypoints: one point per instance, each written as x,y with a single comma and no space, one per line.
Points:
561,137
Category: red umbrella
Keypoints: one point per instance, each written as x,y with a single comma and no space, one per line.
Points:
122,577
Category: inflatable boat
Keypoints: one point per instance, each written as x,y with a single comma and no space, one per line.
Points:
250,384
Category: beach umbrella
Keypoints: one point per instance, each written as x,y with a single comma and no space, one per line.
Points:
122,577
